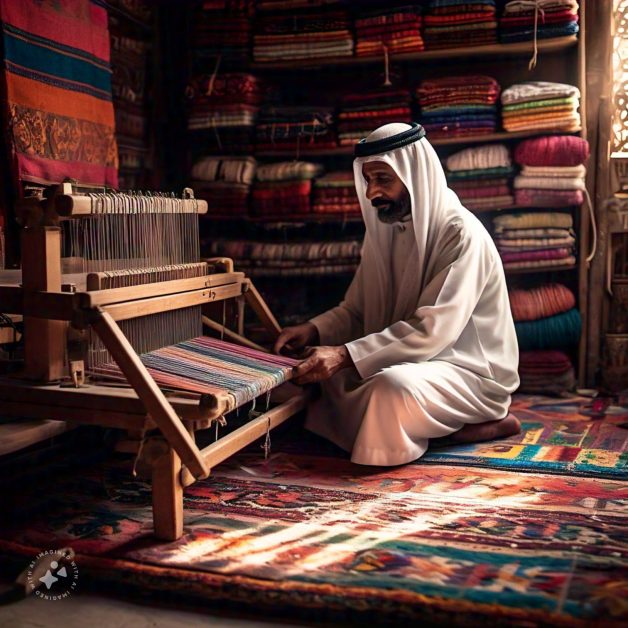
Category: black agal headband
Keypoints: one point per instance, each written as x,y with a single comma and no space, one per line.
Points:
365,149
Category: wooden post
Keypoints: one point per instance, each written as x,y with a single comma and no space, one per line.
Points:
147,390
167,496
259,306
44,340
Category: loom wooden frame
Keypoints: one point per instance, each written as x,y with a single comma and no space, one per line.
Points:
173,456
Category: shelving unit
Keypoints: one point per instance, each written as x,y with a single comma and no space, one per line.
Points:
514,49
560,59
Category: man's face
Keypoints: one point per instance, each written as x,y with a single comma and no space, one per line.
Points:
386,191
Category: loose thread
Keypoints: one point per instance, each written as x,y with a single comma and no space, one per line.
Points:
266,445
140,449
387,82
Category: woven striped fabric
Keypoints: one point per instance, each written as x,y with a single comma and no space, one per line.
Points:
56,85
209,366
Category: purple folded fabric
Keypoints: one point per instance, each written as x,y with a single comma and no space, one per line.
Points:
530,197
536,255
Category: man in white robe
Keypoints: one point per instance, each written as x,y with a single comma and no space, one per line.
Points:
423,345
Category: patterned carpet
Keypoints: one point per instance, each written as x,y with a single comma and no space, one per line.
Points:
530,531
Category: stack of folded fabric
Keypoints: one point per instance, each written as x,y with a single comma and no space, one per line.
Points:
458,106
535,240
540,105
289,5
549,18
266,259
303,36
546,321
222,30
396,28
224,109
282,190
225,184
553,171
335,193
455,23
361,113
480,176
293,128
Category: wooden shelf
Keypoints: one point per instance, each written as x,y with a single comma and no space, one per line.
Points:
515,49
539,269
500,136
274,220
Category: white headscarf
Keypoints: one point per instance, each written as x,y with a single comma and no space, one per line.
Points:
434,207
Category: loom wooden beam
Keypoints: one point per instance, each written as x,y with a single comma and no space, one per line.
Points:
110,296
44,339
143,307
52,401
17,435
231,443
259,306
147,390
76,205
167,493
231,335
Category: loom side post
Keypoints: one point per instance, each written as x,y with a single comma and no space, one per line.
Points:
167,493
147,390
259,306
44,340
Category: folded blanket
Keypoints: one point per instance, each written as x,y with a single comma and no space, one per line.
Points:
548,198
240,170
541,302
553,150
537,90
287,170
548,183
533,220
488,156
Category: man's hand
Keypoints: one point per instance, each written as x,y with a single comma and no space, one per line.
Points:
296,338
321,363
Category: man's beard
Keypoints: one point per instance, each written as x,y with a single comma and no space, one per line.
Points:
392,211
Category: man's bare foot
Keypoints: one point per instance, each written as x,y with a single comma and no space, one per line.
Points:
477,432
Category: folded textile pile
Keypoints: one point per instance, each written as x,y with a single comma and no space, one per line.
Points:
283,189
455,23
480,176
293,128
545,373
549,18
396,28
553,171
290,5
221,30
534,240
361,113
302,36
261,259
224,108
225,184
546,320
538,105
458,106
129,62
334,193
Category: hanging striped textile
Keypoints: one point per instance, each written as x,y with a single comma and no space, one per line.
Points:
209,366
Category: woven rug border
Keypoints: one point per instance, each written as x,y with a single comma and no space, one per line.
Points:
295,599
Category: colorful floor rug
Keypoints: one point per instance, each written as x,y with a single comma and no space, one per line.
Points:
309,535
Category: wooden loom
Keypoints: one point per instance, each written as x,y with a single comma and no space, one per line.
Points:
56,312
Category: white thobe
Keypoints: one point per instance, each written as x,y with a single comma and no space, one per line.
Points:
451,361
